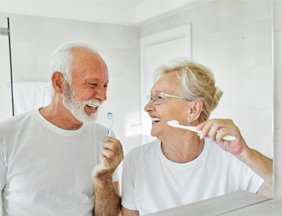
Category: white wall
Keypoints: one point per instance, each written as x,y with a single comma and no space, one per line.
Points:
34,39
234,39
278,97
123,12
106,11
148,9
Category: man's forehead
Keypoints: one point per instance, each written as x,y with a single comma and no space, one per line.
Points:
84,54
89,64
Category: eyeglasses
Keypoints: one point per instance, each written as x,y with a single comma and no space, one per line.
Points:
158,98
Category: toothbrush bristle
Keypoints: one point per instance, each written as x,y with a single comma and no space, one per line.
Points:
173,122
110,115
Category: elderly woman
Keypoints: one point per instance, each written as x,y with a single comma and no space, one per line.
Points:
182,166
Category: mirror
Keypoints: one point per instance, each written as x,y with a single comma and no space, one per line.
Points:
233,38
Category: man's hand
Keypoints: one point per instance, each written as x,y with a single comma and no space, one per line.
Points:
107,199
216,129
111,157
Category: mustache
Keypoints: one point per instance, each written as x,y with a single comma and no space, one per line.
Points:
69,94
93,103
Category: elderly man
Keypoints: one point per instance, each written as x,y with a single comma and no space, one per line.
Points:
47,155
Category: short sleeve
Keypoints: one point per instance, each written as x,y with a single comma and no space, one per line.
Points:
128,200
246,178
251,181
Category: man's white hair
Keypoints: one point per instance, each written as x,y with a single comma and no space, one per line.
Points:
61,58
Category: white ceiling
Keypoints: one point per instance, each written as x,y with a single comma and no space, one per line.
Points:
127,12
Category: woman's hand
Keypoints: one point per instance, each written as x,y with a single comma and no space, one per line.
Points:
216,129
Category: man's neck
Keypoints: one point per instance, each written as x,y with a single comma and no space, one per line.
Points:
60,117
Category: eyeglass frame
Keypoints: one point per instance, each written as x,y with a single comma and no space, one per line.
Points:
162,96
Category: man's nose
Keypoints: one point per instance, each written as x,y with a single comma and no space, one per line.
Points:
101,94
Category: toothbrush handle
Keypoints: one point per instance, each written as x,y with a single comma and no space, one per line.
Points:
229,138
109,132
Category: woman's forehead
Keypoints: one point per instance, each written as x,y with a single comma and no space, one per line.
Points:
168,83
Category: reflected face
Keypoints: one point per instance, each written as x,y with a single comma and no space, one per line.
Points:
169,109
89,85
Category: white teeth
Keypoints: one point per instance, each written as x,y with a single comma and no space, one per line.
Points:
93,106
155,119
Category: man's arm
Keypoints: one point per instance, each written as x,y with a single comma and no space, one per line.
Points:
107,198
216,129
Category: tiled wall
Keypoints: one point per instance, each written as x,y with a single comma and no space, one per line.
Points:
34,39
278,97
234,39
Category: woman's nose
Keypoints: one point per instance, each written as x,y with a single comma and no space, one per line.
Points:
149,106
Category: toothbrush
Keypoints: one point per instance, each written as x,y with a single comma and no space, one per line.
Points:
111,119
175,123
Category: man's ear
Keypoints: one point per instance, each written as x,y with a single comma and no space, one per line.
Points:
195,110
58,82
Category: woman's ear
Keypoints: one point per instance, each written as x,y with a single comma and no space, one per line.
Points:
58,82
195,110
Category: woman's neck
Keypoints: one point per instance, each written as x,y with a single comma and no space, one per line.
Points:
182,149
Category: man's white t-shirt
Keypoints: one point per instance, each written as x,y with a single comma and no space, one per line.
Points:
151,182
46,170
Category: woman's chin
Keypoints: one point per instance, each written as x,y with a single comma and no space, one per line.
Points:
155,133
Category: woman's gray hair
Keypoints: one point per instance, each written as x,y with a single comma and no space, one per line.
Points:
61,58
198,83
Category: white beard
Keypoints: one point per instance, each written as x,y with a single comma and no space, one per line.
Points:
76,106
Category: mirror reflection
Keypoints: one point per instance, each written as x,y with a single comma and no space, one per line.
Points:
232,38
